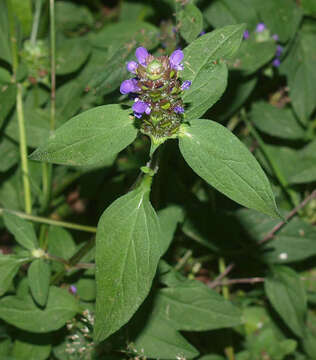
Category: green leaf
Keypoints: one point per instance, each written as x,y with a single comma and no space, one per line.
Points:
202,64
7,100
9,152
69,16
293,242
218,156
39,278
5,48
191,22
23,350
86,289
252,55
9,266
71,54
276,122
23,11
225,12
309,7
299,68
36,126
281,17
89,138
192,306
24,314
126,33
159,340
169,218
286,293
127,253
22,230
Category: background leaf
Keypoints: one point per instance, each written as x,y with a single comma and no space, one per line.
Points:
191,22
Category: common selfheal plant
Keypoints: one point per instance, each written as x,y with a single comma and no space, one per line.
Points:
158,89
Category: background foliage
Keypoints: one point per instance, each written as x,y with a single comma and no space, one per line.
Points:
180,270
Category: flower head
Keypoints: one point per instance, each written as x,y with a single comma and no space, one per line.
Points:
129,86
141,54
260,27
175,60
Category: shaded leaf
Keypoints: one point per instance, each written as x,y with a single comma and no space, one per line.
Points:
9,266
39,278
191,22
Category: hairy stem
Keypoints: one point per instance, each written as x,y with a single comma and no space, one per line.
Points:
36,20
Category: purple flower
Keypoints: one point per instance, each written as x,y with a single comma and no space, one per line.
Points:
129,86
186,85
140,107
141,54
178,110
202,33
131,66
260,27
276,63
175,60
73,289
279,51
275,37
246,34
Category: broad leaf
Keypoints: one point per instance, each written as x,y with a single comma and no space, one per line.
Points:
169,218
22,230
252,55
286,293
191,22
127,253
203,65
192,306
158,339
24,314
218,156
89,138
23,350
9,266
276,122
10,154
39,279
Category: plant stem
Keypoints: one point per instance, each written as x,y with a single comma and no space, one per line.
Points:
23,151
229,350
74,260
37,16
288,217
20,114
278,173
47,221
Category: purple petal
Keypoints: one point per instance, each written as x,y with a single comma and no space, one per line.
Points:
138,115
186,85
275,37
246,34
279,51
141,54
140,107
131,66
178,110
260,27
202,33
175,59
73,289
127,86
276,62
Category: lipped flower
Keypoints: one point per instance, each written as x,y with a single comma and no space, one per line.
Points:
157,89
